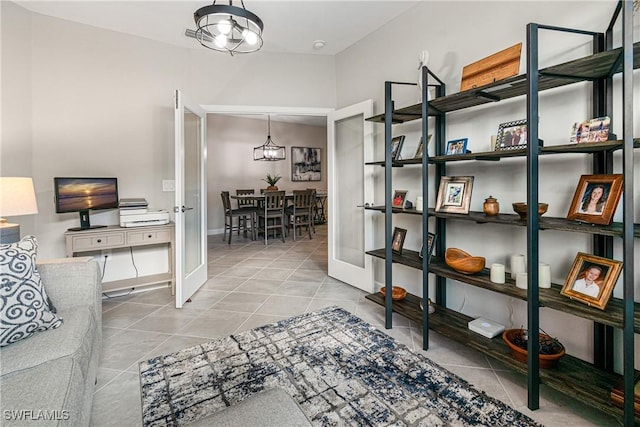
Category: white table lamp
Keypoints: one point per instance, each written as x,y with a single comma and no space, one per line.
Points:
17,197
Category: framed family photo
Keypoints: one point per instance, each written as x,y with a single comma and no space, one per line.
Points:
421,146
399,199
512,135
431,240
593,130
396,147
596,198
592,279
397,241
454,194
456,146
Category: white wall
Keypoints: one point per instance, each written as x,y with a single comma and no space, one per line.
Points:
84,101
456,34
230,137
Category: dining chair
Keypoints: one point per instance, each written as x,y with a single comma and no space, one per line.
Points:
271,215
301,212
247,203
230,214
314,209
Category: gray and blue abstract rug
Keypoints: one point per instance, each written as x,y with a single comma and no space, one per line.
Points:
340,369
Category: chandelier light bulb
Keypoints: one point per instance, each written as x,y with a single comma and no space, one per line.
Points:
225,26
221,40
249,36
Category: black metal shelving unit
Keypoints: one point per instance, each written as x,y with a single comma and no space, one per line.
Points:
591,383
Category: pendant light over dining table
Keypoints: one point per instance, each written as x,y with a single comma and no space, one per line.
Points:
269,150
228,28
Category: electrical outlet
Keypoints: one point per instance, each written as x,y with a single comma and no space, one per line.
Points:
168,185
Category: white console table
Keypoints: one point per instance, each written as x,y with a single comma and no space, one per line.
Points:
114,237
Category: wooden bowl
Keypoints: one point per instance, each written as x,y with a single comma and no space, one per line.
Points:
546,360
521,209
463,262
397,293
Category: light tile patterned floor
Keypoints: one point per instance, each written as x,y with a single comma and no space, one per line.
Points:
250,285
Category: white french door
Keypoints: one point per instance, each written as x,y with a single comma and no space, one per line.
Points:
190,199
350,184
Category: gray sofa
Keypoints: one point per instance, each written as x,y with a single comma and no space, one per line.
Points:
49,378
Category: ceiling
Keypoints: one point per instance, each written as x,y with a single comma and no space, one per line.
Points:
289,26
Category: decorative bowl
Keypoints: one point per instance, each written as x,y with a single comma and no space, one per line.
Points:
397,293
521,209
511,337
463,262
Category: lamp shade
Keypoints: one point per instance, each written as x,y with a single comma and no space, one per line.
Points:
17,196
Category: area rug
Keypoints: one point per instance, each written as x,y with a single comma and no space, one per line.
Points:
340,369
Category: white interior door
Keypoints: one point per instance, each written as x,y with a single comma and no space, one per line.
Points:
190,201
350,184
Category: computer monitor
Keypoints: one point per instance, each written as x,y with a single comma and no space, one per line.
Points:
85,194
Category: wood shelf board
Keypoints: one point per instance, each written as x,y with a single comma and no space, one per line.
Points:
584,148
592,67
550,298
573,376
395,210
546,223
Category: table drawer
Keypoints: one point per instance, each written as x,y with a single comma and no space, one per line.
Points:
148,237
97,241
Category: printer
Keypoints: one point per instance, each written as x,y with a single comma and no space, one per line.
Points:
143,217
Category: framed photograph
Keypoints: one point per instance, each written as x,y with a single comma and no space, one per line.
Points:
421,146
456,146
399,199
396,147
454,194
594,130
306,164
398,240
431,240
512,135
592,279
596,199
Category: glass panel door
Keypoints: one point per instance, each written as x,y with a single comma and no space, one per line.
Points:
350,186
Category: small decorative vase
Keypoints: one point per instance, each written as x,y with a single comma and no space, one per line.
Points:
491,207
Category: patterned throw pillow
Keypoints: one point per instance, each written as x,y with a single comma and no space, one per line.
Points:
25,307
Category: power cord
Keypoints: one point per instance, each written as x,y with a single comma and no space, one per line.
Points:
133,261
104,268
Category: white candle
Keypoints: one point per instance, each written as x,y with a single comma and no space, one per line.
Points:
517,265
544,275
521,281
419,203
497,273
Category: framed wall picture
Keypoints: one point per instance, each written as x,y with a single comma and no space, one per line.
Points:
306,164
592,279
512,135
431,240
456,146
596,198
421,146
397,241
399,199
396,147
454,194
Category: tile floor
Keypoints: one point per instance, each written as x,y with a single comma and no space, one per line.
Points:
250,285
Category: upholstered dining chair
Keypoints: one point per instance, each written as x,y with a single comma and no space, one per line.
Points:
301,212
271,214
246,203
230,214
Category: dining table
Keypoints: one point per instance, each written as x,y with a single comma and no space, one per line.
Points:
319,216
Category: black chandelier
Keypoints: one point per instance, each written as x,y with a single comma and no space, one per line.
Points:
269,150
228,28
